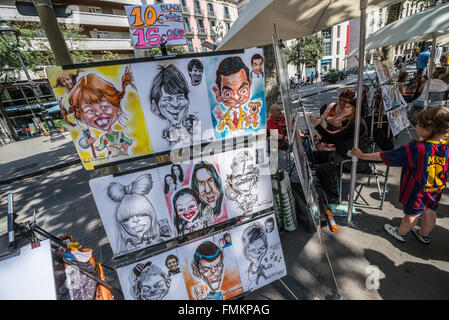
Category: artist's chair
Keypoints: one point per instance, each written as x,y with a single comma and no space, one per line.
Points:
364,177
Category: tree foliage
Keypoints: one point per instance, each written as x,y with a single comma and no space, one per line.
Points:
308,50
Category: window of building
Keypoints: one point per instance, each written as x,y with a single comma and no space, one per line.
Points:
104,35
120,12
197,6
190,45
338,47
338,63
210,9
187,23
228,26
45,89
327,34
95,9
226,13
200,24
327,48
203,48
338,31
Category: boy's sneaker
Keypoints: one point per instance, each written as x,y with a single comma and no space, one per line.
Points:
393,232
424,240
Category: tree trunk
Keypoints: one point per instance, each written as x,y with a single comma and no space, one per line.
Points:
394,12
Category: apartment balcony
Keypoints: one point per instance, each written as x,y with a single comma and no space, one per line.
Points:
211,14
198,12
202,31
185,10
227,16
90,44
77,17
188,29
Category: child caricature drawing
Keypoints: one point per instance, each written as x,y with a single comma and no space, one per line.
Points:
96,104
169,98
135,215
187,215
241,182
255,247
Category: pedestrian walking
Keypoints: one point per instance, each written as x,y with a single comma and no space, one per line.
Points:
424,173
422,60
312,77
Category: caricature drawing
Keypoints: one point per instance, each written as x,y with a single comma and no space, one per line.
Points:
177,173
241,182
207,265
149,282
164,228
195,69
255,247
187,214
206,183
233,82
96,104
269,225
170,184
256,65
169,97
172,264
135,215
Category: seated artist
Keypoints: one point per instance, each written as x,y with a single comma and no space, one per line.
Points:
277,122
328,162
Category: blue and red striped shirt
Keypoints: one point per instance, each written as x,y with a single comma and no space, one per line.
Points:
424,172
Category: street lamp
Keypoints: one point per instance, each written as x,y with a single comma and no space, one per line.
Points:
11,38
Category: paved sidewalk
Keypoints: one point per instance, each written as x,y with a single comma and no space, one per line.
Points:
30,157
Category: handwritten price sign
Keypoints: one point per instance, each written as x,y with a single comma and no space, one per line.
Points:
151,25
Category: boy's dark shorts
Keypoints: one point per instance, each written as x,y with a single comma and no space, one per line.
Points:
414,212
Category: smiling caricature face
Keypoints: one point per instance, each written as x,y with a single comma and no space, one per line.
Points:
256,251
207,188
172,107
137,224
196,75
234,91
154,287
257,65
187,207
101,115
212,272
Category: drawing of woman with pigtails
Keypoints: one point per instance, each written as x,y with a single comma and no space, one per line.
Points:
135,215
95,103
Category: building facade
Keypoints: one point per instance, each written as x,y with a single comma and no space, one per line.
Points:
100,27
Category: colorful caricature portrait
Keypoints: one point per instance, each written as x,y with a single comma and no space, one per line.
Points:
187,212
172,264
207,184
95,103
233,83
195,69
169,98
135,215
207,265
149,282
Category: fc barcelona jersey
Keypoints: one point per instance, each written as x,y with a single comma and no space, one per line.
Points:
424,172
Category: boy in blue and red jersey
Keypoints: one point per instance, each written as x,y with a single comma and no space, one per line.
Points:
424,172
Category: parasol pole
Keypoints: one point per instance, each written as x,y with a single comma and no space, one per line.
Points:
363,7
431,67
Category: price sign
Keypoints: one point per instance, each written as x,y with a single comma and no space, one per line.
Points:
153,25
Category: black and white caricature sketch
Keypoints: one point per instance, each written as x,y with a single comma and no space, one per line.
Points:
195,68
155,278
242,181
170,184
262,260
135,215
149,282
164,228
169,98
178,174
255,246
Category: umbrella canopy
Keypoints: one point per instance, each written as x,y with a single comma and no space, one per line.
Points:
292,18
417,27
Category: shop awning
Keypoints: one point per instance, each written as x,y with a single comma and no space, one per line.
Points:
418,27
35,106
290,19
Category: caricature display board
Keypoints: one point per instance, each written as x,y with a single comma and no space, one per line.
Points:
385,71
398,120
156,278
146,106
103,112
259,253
209,268
151,25
131,210
391,97
144,208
